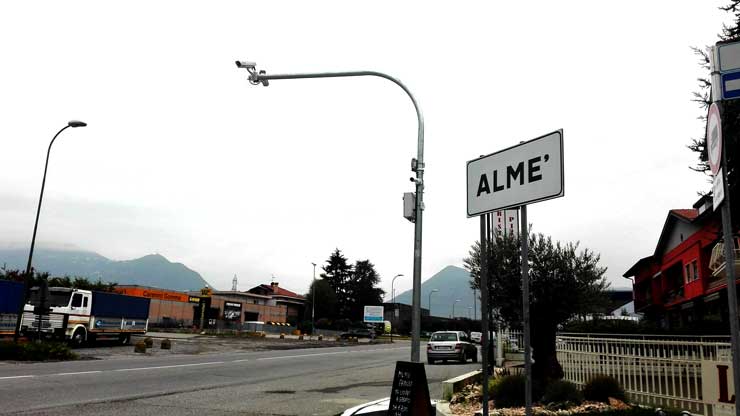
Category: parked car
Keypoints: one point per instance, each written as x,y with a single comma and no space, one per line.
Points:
450,345
358,333
477,337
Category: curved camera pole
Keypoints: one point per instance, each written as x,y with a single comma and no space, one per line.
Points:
260,77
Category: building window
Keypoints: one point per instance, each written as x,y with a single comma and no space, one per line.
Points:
691,271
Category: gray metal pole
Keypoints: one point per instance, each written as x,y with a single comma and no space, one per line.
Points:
475,305
393,297
731,282
525,314
484,308
256,77
313,302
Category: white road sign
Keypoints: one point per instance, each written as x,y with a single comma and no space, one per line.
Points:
714,138
373,314
729,56
507,222
718,190
528,172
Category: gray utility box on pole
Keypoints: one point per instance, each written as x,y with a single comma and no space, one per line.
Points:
409,206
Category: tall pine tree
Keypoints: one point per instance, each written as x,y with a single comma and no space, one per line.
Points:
338,273
731,110
362,290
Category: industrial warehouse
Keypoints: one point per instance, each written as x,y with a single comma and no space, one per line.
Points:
223,309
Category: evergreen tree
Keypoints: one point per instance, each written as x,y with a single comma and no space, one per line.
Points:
337,274
731,109
362,290
326,300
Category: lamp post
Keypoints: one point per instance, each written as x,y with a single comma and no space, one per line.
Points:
453,307
417,166
313,300
429,302
393,297
475,305
73,123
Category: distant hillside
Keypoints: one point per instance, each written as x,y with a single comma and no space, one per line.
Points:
452,283
152,270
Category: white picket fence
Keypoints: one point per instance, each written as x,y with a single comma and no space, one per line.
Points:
513,340
652,371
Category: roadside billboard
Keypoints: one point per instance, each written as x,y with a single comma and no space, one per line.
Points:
232,311
373,314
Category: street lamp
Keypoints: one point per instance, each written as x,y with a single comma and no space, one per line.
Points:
393,297
313,299
453,307
72,123
417,166
429,302
475,305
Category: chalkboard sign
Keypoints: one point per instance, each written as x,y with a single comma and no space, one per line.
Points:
410,394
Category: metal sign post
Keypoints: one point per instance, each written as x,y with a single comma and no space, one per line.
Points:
484,307
525,313
529,172
716,152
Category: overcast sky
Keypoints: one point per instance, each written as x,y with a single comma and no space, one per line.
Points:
183,157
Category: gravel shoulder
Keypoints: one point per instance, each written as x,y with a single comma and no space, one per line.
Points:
204,345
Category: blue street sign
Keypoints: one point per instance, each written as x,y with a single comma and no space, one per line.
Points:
731,85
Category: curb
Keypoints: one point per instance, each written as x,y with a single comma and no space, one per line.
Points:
455,384
443,408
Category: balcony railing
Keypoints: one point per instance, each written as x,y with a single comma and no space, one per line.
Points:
718,265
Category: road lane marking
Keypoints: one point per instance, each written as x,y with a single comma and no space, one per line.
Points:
302,355
169,366
200,364
75,373
381,349
12,377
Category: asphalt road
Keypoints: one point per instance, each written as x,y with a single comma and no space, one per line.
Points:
295,382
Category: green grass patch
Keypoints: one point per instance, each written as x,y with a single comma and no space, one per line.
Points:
35,351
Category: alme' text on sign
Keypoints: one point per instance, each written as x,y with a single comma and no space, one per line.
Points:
528,172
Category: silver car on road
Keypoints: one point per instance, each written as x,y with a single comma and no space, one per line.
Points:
450,345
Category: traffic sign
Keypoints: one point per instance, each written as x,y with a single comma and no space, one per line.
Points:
731,85
528,172
714,138
373,314
728,56
507,222
718,190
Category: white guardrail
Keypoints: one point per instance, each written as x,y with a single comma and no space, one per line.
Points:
652,371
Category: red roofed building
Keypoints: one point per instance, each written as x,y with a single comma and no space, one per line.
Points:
293,301
675,286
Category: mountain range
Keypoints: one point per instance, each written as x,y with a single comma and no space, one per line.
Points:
152,270
452,283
